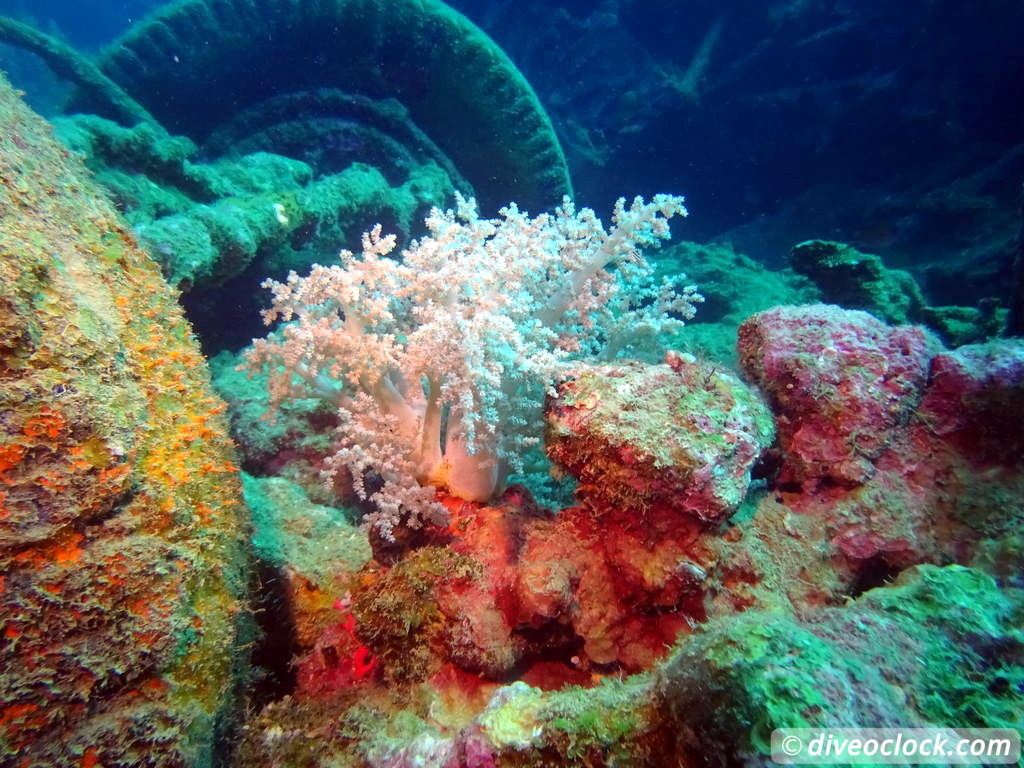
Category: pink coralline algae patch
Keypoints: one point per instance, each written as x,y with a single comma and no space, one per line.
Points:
841,384
900,447
975,401
338,660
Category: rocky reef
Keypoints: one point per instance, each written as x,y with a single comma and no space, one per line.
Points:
807,512
121,518
699,592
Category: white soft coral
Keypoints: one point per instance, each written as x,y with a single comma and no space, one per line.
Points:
438,362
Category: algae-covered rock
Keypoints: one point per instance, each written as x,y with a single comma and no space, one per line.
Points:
291,444
682,435
120,512
957,326
940,647
734,287
319,543
208,222
856,280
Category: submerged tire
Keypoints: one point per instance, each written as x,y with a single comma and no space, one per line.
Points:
197,63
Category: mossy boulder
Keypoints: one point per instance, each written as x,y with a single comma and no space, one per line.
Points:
940,647
120,506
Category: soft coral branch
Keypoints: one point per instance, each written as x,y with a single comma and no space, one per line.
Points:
438,362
